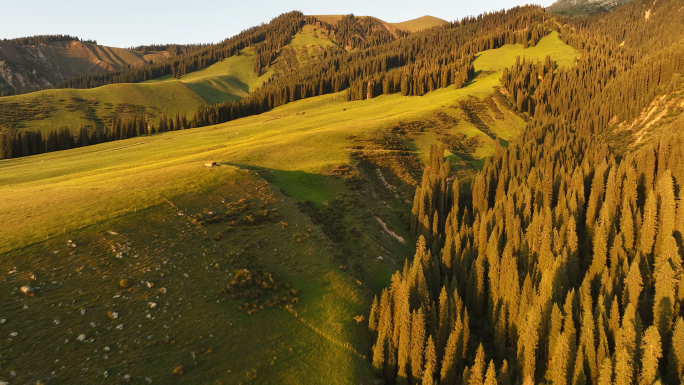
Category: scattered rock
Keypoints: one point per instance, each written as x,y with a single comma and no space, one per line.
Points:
56,322
105,374
4,383
178,371
2,321
33,276
113,232
27,290
112,314
148,379
120,327
150,284
162,290
83,311
127,378
92,324
81,338
152,305
107,348
14,334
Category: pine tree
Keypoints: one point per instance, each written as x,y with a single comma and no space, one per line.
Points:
664,301
448,373
667,208
676,354
417,345
477,371
490,377
651,352
649,223
374,315
606,373
430,360
623,368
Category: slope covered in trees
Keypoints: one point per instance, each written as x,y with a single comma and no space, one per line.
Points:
562,263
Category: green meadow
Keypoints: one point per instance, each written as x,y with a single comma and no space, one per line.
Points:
147,193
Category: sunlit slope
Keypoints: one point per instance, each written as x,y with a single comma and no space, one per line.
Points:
143,295
44,65
419,24
309,135
94,107
146,190
230,79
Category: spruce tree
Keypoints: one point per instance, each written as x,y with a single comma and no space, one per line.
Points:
649,223
651,352
417,345
490,377
676,353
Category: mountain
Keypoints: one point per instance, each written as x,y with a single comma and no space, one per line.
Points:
585,7
494,201
36,66
419,24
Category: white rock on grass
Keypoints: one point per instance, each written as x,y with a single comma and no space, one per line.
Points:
14,334
120,327
27,290
4,383
152,305
56,322
2,321
81,338
83,311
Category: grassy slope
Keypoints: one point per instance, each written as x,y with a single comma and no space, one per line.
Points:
174,97
230,79
122,186
419,24
308,42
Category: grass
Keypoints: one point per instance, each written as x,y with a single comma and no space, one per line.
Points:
308,135
129,186
194,326
309,42
99,103
419,24
230,79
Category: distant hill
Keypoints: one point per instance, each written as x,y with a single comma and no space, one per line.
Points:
413,25
31,67
419,24
585,7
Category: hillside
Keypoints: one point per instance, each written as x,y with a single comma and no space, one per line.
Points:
496,201
45,65
419,24
230,79
148,192
585,7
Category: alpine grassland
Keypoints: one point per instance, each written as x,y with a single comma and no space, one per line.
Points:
145,263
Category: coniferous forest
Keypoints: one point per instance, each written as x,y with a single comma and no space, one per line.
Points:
562,261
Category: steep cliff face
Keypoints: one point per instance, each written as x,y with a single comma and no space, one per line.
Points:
585,7
24,68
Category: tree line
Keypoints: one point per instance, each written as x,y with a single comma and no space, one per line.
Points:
45,39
